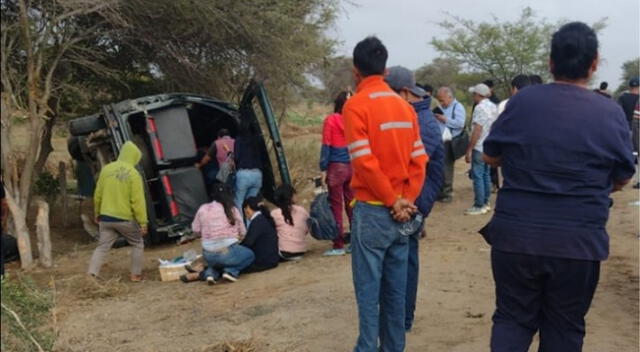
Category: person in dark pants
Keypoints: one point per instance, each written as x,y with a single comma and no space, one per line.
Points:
629,103
336,170
400,79
261,236
561,160
452,120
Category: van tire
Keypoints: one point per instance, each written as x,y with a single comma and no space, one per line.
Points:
74,147
86,125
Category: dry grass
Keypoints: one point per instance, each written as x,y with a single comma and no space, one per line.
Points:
87,288
233,346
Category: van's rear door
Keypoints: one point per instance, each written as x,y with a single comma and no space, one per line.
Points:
256,106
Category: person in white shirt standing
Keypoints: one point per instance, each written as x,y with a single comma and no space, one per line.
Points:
483,117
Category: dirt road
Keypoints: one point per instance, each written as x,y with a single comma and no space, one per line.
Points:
309,305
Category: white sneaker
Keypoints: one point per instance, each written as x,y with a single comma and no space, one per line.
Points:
211,281
229,277
487,207
475,211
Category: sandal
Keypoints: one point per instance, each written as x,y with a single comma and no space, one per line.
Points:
190,277
136,278
188,268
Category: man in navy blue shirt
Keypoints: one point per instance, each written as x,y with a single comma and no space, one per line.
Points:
563,150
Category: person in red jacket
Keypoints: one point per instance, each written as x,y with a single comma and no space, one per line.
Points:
336,168
388,160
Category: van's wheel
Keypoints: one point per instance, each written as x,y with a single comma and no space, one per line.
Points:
86,125
74,147
145,160
120,242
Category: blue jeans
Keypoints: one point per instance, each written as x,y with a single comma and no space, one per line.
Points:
413,268
230,260
248,184
379,264
480,173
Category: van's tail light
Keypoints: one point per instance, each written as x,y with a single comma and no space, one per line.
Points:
153,134
173,206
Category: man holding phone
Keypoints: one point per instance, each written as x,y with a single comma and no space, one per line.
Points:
451,115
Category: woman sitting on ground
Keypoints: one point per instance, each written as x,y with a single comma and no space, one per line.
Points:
291,224
261,237
221,227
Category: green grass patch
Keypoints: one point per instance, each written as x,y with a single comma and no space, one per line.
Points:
33,306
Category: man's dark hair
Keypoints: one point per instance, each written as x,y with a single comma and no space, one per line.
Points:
338,103
223,132
488,82
427,88
520,81
573,48
535,79
604,85
370,56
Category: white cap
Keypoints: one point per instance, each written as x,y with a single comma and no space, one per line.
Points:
481,89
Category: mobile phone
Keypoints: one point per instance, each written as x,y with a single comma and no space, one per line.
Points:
438,111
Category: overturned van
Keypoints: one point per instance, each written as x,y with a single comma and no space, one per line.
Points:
170,130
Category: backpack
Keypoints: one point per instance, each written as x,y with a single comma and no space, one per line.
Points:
322,224
227,168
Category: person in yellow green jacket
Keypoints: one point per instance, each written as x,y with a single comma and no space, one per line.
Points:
120,209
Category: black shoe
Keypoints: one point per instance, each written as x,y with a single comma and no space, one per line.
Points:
637,185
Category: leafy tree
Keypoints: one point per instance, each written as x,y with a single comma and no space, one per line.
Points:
214,47
336,75
440,72
630,69
40,42
500,49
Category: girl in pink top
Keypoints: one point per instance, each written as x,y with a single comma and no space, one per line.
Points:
222,228
291,224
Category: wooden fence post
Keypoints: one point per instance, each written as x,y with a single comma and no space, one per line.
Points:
62,179
44,234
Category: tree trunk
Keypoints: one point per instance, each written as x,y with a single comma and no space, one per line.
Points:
44,234
45,146
62,179
21,232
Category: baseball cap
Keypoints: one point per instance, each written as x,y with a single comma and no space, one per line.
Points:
634,82
480,89
399,77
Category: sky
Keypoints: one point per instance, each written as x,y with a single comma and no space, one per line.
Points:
407,26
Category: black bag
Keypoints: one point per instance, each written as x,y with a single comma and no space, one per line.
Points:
322,224
460,143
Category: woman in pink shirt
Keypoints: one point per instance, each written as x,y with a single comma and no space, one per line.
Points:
291,224
222,228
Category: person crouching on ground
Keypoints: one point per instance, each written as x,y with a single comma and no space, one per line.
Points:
336,167
222,228
561,160
483,116
388,161
120,209
402,80
261,237
291,224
